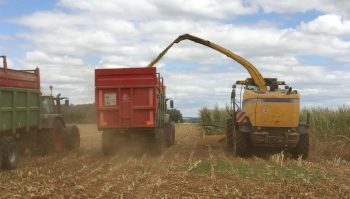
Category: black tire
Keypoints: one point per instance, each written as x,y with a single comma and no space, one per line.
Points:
169,134
159,144
173,132
240,143
107,143
10,153
229,135
71,137
302,148
51,140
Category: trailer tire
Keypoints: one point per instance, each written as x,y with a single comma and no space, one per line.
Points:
229,135
71,137
159,142
10,153
302,148
107,143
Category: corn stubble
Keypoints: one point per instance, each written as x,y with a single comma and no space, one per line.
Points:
185,170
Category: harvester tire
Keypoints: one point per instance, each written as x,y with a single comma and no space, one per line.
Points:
159,144
10,153
302,148
71,137
240,143
229,135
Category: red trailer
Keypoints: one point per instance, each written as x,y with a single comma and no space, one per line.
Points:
131,102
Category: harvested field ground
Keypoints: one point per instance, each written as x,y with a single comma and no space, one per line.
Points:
185,170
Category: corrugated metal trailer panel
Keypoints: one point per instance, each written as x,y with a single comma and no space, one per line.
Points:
128,97
19,99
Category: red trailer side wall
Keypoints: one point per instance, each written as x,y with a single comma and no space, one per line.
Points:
127,97
20,78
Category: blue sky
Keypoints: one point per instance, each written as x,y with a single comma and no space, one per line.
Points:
305,44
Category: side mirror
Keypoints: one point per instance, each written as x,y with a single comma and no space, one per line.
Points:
233,92
66,103
171,104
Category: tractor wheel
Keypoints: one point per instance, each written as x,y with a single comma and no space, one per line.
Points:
173,132
10,153
169,134
240,143
58,136
302,148
159,144
71,137
45,142
229,135
51,140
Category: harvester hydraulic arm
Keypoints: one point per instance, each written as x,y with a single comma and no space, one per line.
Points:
254,73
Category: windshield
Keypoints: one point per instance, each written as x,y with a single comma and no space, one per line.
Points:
46,105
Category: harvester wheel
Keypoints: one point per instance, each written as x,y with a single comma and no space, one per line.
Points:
159,142
229,135
10,153
71,137
302,148
240,143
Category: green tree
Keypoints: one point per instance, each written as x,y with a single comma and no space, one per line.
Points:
175,115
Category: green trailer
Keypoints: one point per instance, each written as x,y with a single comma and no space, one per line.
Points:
29,121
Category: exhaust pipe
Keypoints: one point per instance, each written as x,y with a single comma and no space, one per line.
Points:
4,61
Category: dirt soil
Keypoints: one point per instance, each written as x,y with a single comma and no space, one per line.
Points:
185,170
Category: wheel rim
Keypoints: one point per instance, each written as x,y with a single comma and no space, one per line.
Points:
12,156
58,140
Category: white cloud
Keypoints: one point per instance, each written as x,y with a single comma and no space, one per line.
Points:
131,33
327,24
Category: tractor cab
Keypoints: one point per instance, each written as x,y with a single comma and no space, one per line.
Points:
52,105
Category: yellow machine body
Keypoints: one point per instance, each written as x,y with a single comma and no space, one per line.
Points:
272,109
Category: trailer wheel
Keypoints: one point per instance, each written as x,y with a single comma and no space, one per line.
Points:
10,154
229,135
107,143
71,137
302,148
240,143
159,144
